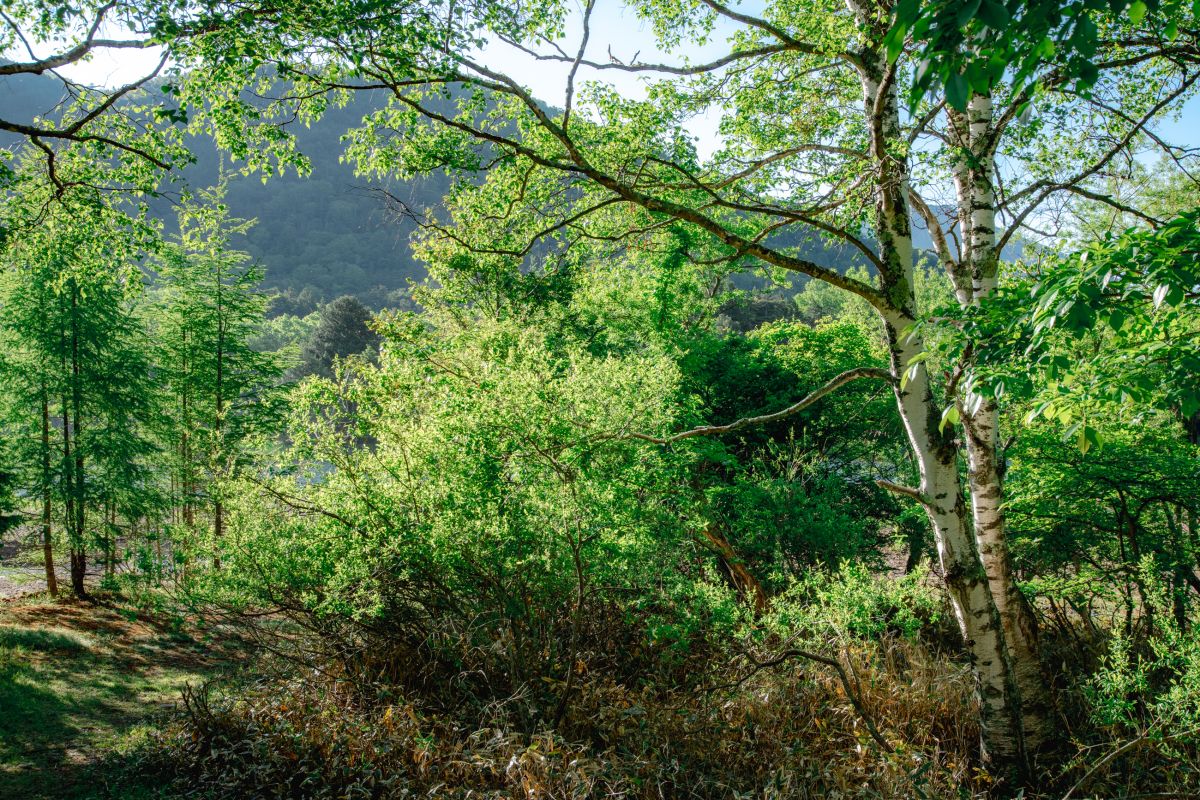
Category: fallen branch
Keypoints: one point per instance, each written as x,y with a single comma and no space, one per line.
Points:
836,666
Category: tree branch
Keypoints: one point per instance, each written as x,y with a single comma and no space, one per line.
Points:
709,430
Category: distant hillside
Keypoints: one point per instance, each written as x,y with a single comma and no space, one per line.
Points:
318,237
328,235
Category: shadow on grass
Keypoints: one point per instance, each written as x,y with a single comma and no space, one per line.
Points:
77,684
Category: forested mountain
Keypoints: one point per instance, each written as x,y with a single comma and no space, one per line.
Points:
319,236
330,233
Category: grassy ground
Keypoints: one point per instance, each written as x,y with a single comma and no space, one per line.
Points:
80,686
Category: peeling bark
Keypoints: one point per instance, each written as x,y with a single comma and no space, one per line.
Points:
980,260
941,492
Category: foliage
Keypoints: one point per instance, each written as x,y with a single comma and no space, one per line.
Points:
1146,694
1109,327
576,526
220,391
1087,526
343,331
970,48
75,345
856,603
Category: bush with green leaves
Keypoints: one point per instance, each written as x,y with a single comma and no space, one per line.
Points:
1086,525
1146,696
856,603
474,490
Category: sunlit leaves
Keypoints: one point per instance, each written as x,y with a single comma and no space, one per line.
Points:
1112,329
972,47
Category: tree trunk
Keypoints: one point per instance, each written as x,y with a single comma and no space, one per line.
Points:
742,579
218,508
79,551
47,537
1016,615
980,264
940,493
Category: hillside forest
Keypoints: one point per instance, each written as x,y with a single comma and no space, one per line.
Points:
641,399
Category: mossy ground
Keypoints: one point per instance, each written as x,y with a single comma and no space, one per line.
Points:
81,687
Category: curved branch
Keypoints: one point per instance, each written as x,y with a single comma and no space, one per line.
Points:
709,430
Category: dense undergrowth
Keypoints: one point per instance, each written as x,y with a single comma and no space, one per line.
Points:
850,688
750,716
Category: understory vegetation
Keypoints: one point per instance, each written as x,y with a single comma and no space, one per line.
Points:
688,469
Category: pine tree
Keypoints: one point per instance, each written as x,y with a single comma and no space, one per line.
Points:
220,390
77,375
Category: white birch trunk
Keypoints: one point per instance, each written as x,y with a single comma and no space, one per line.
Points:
941,492
981,426
967,584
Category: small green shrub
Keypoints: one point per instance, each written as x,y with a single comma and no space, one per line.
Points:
855,602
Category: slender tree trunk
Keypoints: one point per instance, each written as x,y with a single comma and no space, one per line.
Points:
47,533
218,508
75,545
941,491
80,483
916,549
78,551
186,487
110,543
980,263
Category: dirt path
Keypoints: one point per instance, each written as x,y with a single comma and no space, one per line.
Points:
80,686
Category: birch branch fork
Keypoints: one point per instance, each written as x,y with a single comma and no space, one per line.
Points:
745,422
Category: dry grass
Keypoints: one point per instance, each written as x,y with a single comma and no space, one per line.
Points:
787,732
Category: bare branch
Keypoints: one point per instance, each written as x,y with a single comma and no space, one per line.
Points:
579,164
745,422
1042,189
907,491
583,43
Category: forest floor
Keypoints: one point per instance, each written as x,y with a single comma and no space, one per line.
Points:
22,570
82,686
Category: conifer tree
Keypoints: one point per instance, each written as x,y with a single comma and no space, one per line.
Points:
77,373
219,389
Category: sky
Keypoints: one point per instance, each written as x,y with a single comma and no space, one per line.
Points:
614,29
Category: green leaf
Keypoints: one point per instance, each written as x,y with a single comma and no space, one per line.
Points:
1087,437
966,12
894,41
994,15
1137,12
956,91
1175,296
949,415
